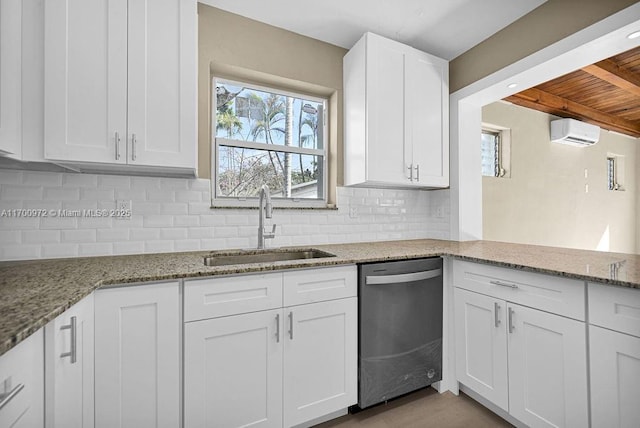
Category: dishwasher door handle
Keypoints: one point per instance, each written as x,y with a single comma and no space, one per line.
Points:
402,278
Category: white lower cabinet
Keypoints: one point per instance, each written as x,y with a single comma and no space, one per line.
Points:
547,369
529,362
69,368
22,384
280,366
320,359
233,371
137,356
615,372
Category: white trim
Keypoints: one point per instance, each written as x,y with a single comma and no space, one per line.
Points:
265,146
600,40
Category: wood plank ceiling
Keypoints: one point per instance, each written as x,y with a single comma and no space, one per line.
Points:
606,94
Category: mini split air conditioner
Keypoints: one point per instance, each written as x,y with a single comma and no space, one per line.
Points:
574,132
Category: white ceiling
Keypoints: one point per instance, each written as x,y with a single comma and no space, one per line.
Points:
445,28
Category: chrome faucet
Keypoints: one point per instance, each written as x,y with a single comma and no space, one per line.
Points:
265,211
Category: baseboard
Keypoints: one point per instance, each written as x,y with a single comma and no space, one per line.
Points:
489,405
322,419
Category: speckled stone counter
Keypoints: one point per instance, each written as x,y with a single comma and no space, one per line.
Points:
33,293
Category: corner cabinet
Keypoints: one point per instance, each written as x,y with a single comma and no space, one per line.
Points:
515,349
270,350
138,356
120,85
396,109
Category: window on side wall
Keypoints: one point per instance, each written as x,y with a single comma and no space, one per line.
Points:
615,172
496,151
267,136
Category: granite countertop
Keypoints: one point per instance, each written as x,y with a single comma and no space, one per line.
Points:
34,292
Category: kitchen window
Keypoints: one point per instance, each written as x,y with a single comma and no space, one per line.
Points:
495,152
268,136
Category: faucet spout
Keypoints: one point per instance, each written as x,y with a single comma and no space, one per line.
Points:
265,210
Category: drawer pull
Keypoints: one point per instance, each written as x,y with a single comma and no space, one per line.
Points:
72,354
291,325
504,284
277,328
9,393
511,327
496,315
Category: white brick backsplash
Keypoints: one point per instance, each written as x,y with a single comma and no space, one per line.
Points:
40,236
158,246
78,180
112,235
174,208
97,249
10,237
42,179
61,194
59,250
187,245
10,176
132,247
158,221
13,192
21,252
173,233
144,234
171,214
79,235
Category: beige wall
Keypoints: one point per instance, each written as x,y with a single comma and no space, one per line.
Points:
549,23
544,202
232,46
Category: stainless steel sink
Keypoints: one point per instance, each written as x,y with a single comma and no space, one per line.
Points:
224,258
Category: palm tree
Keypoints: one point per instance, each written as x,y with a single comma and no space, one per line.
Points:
274,111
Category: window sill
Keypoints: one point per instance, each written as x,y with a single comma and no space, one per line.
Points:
238,207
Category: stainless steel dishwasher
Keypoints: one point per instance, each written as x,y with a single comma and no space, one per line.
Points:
400,328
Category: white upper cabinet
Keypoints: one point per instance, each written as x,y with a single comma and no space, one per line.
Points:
396,116
10,77
120,83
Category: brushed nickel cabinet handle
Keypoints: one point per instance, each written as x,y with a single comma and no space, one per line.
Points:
117,138
72,354
511,326
496,314
9,392
277,328
410,168
133,146
417,172
291,325
504,284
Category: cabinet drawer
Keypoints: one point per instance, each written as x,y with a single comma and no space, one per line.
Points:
316,285
229,295
549,293
22,372
617,308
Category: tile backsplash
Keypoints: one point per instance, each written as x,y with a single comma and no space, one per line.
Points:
172,214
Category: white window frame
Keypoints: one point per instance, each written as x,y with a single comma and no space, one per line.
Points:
252,202
615,177
504,142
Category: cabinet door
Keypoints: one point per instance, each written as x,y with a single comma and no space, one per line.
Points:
547,368
69,367
85,87
615,371
426,110
387,157
137,356
481,345
233,371
162,83
10,77
320,359
22,378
